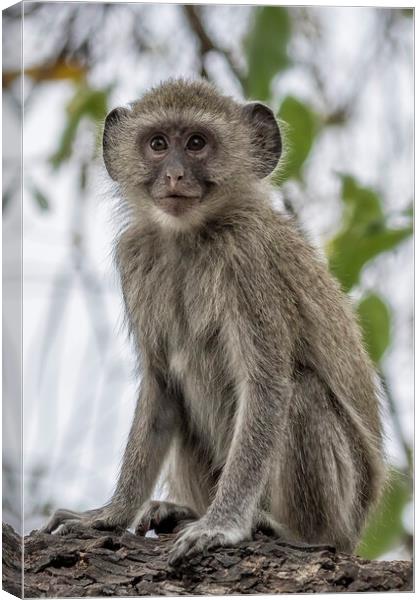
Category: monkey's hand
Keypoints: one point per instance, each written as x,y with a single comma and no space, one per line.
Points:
164,517
201,536
109,517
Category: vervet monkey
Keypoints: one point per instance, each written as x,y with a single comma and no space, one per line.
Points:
257,398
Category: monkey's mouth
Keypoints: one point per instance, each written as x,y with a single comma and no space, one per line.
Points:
177,204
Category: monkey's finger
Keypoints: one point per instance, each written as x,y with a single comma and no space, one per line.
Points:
176,555
185,546
204,543
148,519
72,526
143,526
178,550
105,524
188,548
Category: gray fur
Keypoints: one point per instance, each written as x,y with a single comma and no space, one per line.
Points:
257,398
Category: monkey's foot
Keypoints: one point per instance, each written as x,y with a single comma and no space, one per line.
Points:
64,521
164,517
199,537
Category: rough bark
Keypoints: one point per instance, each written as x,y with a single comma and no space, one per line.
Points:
94,563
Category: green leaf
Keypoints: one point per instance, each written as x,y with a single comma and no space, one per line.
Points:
86,103
362,205
266,49
302,127
351,250
375,320
385,528
363,235
409,211
65,145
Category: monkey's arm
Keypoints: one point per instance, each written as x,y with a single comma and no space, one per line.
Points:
259,347
148,442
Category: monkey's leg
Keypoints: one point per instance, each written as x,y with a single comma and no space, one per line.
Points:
319,479
163,517
154,422
229,519
264,390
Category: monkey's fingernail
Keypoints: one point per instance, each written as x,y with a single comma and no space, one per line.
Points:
173,561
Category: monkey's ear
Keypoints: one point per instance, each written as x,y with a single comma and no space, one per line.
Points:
112,123
265,136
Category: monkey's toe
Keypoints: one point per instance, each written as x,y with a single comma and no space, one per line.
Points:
189,547
67,521
74,526
198,539
60,517
164,517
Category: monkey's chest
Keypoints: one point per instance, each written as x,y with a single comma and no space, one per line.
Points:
179,326
207,394
178,312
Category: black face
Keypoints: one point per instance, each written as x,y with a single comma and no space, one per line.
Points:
178,162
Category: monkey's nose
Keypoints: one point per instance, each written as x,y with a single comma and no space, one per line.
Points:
173,176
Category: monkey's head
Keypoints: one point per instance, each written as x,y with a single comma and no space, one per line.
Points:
183,148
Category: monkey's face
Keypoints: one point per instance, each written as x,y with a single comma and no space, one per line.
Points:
179,161
184,151
174,160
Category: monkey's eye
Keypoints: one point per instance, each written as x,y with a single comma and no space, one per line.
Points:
196,143
158,143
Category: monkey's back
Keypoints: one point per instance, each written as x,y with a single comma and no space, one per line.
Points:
330,340
267,248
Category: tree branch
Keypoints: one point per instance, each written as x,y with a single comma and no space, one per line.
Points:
206,43
94,563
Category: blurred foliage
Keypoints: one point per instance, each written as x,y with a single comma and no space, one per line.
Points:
375,320
59,70
386,528
364,233
40,197
87,103
266,49
302,127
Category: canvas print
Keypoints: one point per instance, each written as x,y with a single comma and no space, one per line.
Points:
207,299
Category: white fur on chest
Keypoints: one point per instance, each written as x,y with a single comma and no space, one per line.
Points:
181,370
209,410
178,365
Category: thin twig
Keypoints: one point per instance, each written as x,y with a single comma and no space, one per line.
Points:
206,43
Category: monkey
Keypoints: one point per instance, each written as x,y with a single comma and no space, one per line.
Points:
258,403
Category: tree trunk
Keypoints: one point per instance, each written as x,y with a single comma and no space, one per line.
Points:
95,563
